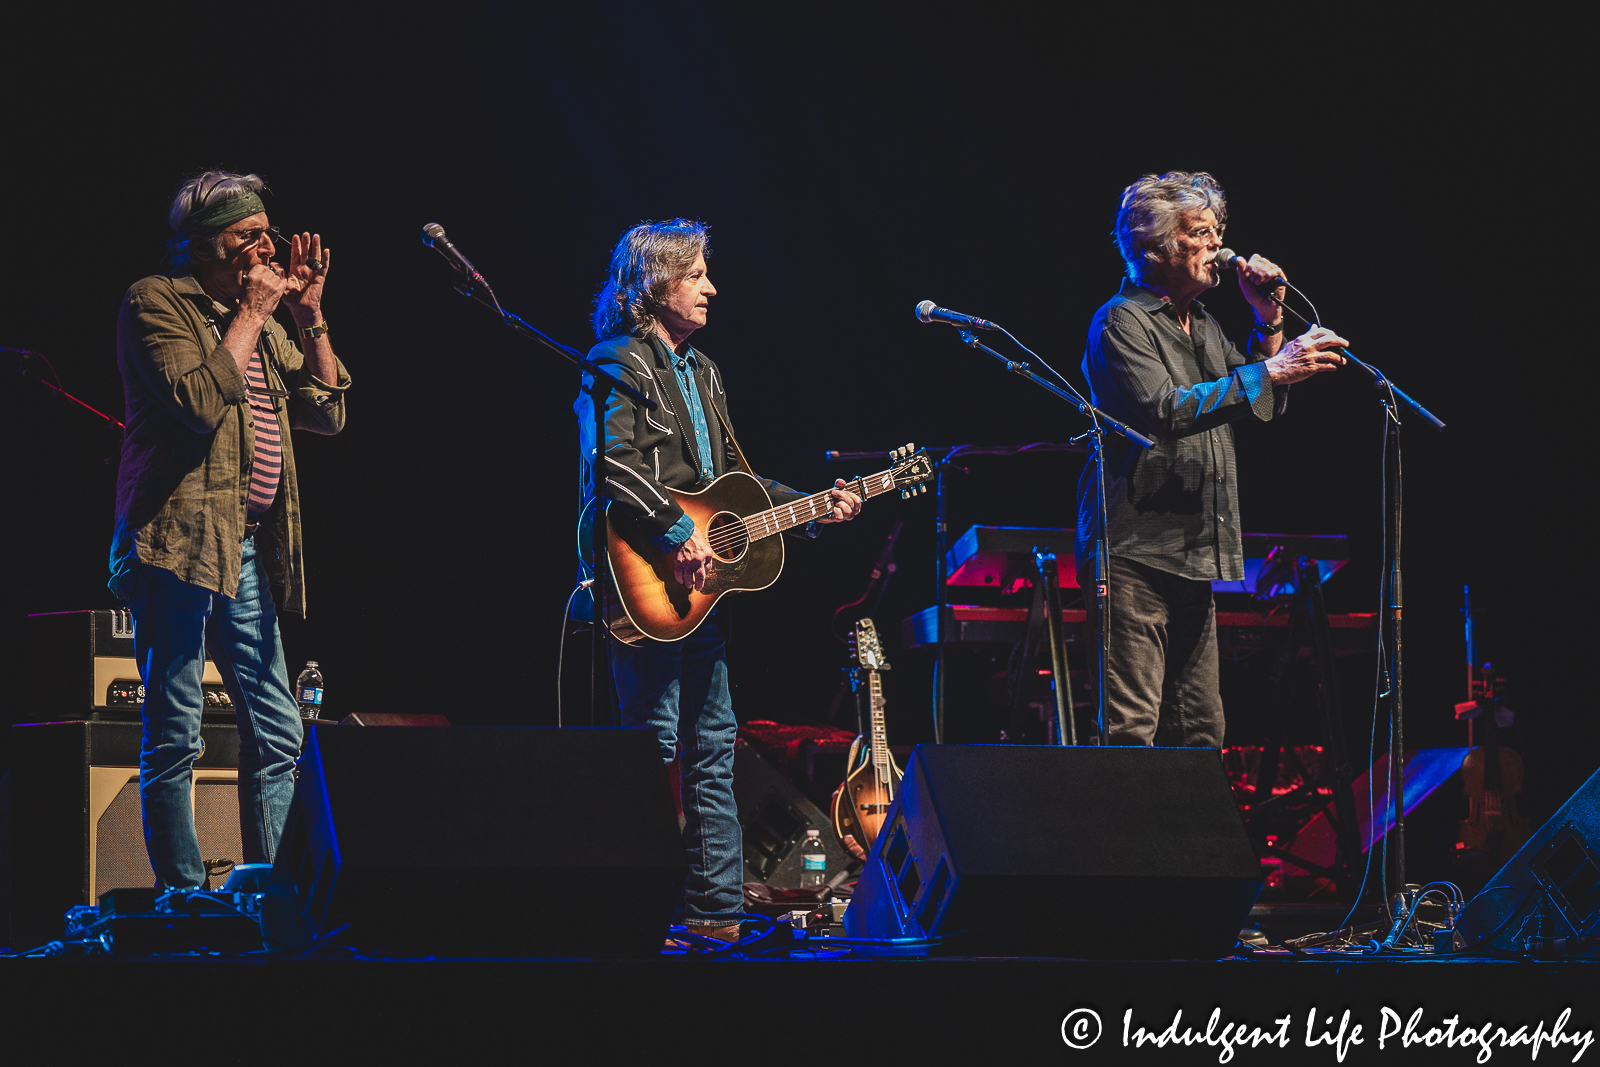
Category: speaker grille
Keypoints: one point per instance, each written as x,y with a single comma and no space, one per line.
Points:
928,911
216,819
120,859
1567,869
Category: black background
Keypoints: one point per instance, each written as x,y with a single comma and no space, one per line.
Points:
851,161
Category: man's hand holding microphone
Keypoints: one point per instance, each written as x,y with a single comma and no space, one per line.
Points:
1312,352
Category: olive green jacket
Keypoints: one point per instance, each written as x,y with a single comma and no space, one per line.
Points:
184,479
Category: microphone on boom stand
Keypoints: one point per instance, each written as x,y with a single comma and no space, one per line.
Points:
927,311
433,236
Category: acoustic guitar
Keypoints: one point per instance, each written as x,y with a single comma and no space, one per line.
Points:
740,524
861,802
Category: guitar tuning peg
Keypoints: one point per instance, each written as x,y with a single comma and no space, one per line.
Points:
910,448
904,494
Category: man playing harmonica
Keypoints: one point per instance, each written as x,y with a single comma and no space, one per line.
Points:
208,510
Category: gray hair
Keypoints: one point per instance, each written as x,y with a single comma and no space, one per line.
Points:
192,195
1147,221
648,261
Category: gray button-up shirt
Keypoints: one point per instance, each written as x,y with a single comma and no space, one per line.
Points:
1175,507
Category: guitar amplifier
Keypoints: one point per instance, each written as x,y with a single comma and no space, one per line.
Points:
82,666
75,818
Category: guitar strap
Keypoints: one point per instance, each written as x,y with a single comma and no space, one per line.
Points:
738,452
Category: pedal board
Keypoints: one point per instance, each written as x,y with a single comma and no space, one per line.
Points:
135,922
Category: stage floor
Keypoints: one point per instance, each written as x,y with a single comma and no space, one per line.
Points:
943,1009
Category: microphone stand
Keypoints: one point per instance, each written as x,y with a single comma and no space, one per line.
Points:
1390,396
1099,423
56,387
599,389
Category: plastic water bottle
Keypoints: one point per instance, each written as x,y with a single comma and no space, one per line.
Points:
308,690
813,861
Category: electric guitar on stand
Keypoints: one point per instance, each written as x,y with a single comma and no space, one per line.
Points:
871,779
739,522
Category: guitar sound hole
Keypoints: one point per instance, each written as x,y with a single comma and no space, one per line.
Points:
728,536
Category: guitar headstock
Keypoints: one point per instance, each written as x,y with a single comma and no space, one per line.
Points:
912,471
865,648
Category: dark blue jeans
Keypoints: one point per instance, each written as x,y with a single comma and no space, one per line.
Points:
174,625
679,689
1163,683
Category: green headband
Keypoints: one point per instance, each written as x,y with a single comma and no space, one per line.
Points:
224,212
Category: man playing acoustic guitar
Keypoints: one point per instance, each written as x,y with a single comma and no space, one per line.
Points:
655,297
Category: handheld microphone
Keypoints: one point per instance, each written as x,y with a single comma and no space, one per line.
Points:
928,312
433,236
1228,259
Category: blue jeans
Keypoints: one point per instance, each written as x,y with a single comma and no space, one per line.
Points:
680,690
174,625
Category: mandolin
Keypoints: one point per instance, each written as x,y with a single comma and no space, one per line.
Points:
862,800
740,524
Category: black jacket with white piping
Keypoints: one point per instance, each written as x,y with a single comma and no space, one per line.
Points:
648,452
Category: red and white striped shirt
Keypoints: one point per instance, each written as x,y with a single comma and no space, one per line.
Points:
267,467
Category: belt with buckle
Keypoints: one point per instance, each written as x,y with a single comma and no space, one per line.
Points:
250,529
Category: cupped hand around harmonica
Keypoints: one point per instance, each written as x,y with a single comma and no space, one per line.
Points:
260,289
308,271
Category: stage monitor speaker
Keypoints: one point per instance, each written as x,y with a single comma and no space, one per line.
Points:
433,841
1549,890
386,718
76,828
1087,852
775,816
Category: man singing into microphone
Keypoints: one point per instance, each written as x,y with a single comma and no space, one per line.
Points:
1157,361
208,512
656,295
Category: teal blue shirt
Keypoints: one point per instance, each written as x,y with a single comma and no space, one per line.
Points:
685,366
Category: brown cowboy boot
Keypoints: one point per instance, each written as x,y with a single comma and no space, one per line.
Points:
728,932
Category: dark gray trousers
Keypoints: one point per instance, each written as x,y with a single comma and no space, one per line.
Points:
1161,676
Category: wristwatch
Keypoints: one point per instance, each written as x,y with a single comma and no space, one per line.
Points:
1264,329
314,332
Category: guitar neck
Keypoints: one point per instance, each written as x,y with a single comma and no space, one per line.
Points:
776,520
880,736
